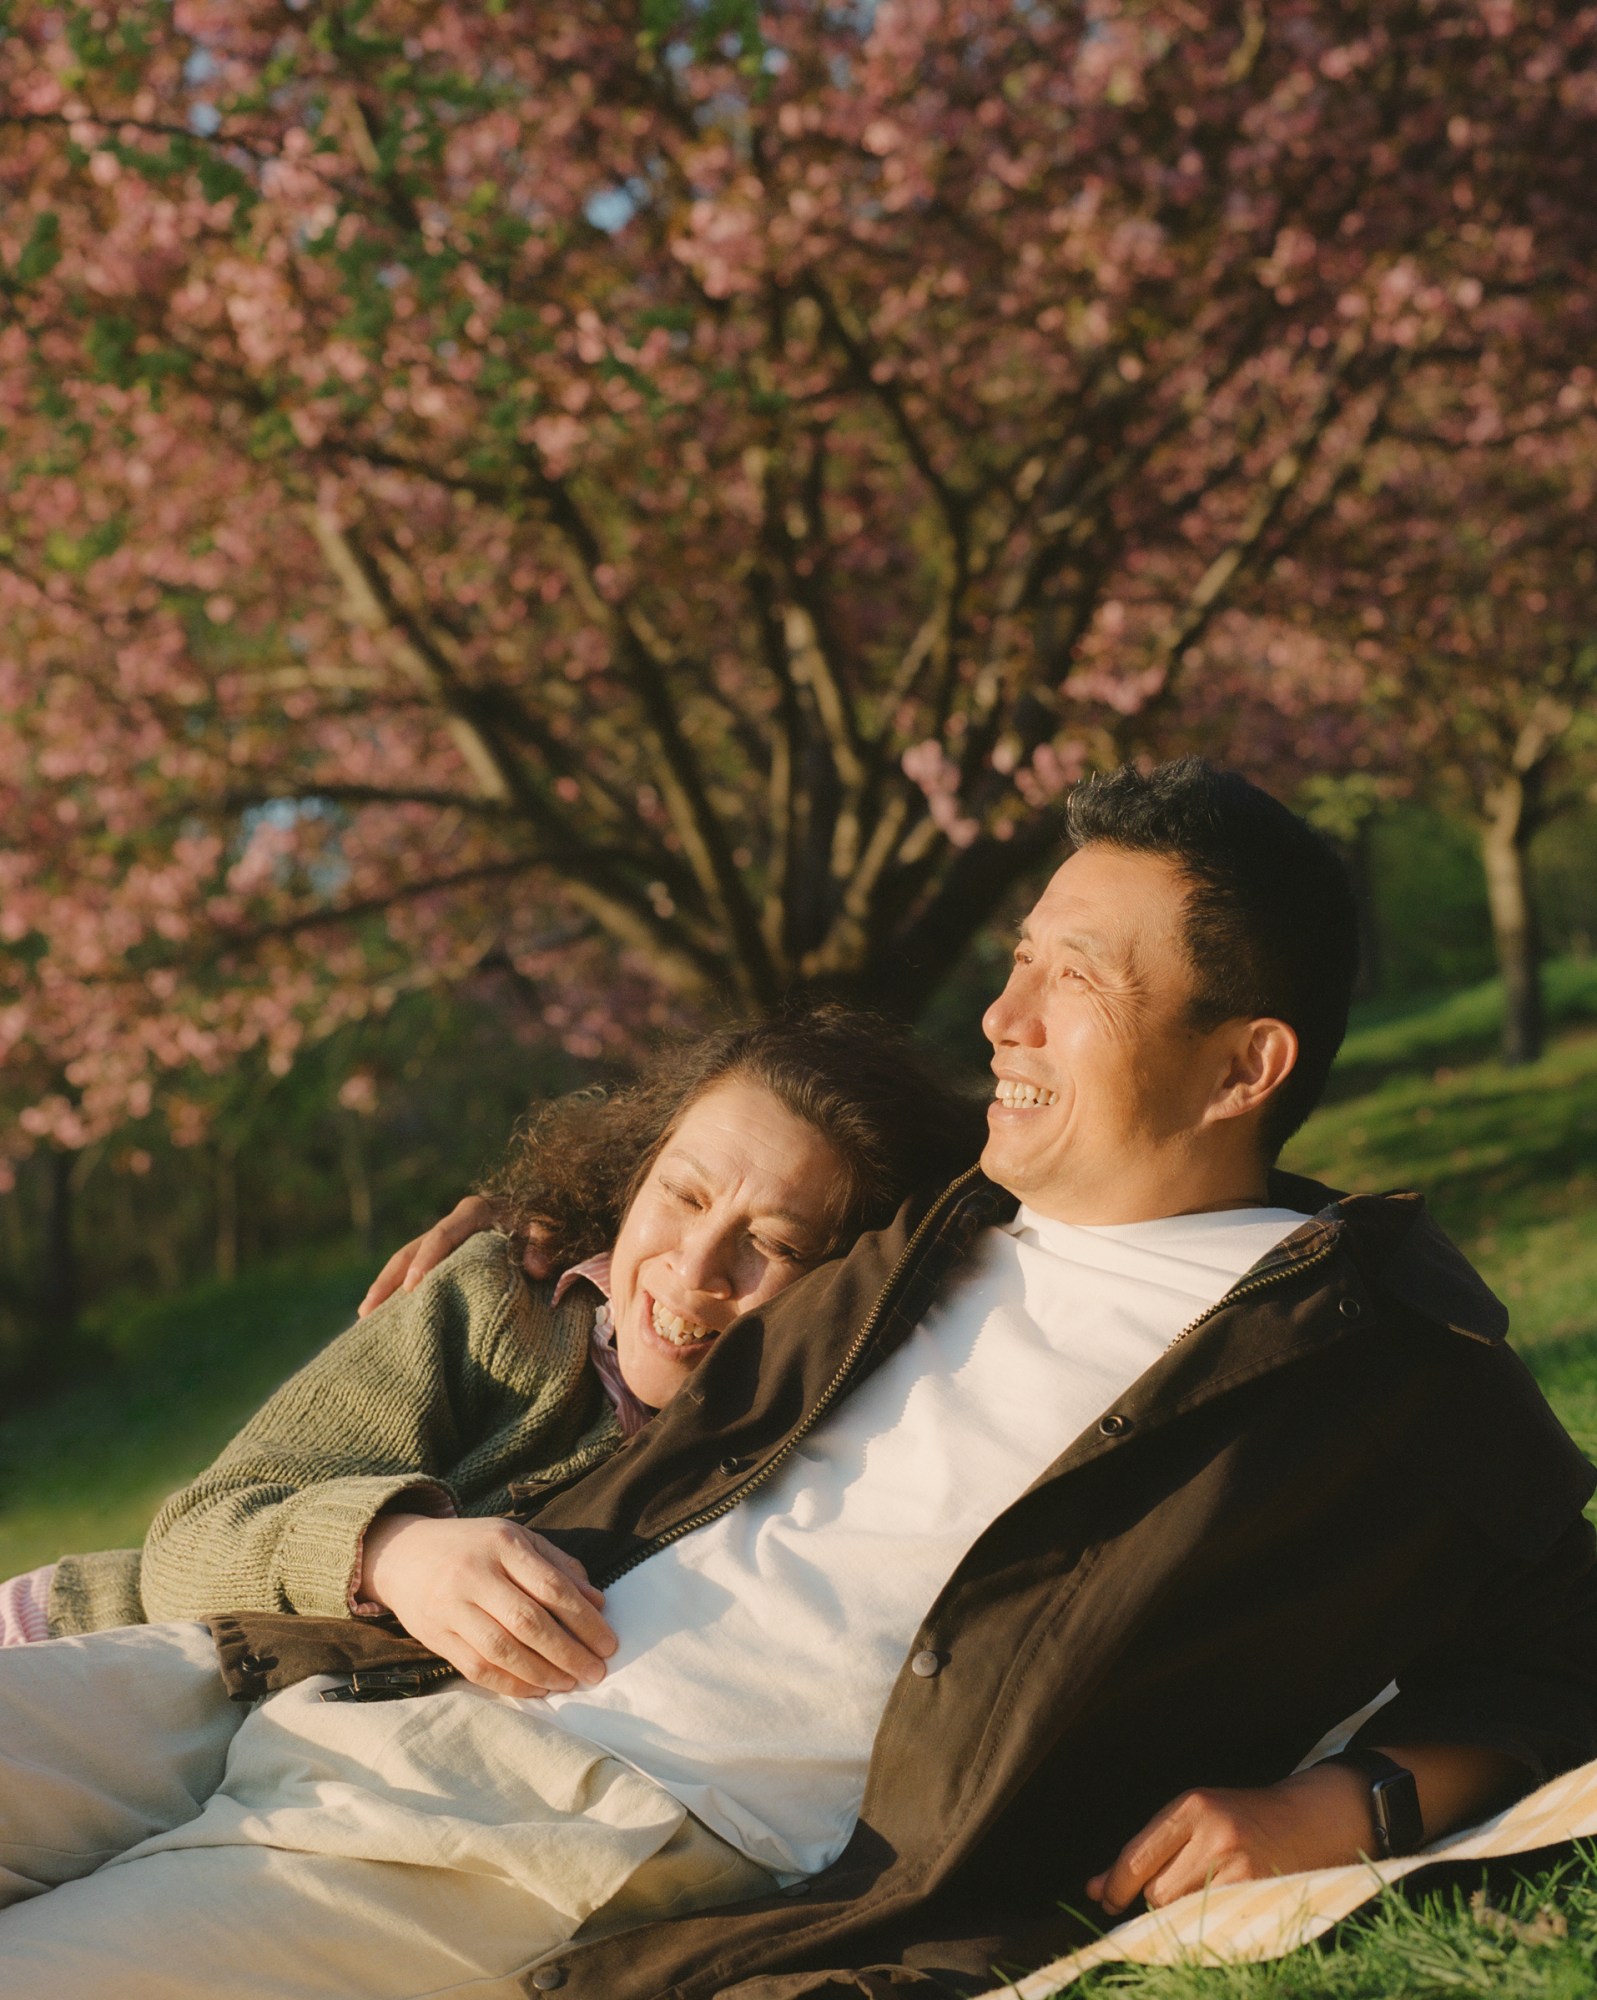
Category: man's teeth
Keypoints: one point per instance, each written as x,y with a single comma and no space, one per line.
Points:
1023,1096
679,1331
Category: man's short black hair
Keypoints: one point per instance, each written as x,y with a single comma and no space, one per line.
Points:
1271,927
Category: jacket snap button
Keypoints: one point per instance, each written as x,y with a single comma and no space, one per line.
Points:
548,1977
729,1466
1113,1426
1350,1308
927,1664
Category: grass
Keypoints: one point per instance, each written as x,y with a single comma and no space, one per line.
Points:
1459,1026
1507,1159
1535,1940
163,1386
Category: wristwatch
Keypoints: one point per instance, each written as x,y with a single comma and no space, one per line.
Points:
1394,1801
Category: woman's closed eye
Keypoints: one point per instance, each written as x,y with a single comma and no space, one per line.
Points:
784,1253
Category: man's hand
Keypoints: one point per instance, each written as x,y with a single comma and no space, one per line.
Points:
507,1609
1314,1819
409,1264
1318,1818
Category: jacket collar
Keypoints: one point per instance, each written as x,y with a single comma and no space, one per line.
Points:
1401,1250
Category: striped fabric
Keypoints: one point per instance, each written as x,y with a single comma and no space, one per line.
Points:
25,1607
1257,1920
631,1413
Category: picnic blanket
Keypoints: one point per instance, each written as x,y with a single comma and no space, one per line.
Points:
1255,1920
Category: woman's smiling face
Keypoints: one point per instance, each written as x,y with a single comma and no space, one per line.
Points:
742,1198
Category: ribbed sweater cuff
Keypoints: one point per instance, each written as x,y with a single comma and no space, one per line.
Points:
320,1556
434,1502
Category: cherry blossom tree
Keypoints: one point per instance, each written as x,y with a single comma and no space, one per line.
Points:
656,500
1463,578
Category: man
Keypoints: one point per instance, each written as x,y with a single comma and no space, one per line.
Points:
971,1553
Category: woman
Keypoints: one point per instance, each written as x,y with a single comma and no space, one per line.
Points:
376,1479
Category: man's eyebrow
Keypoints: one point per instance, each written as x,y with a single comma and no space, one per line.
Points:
1088,943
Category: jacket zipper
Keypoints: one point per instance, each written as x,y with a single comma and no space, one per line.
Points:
823,1402
389,1683
1254,1285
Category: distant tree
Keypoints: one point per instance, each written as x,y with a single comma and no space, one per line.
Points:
1291,704
670,491
1464,577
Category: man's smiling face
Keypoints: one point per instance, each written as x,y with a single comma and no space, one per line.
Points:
1103,1082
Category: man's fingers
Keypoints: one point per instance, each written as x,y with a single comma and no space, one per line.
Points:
387,1280
470,1663
1141,1858
566,1661
465,1219
409,1264
474,1668
1190,1870
537,1254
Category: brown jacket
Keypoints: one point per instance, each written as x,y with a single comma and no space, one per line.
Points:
1337,1477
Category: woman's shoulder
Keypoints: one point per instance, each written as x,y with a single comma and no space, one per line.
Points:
488,1260
531,1318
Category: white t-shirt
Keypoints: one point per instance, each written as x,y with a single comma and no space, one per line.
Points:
756,1655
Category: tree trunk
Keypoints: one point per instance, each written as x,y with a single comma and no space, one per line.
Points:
357,1184
226,1209
1505,843
59,1288
1359,855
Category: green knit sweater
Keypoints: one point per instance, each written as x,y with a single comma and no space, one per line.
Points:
447,1393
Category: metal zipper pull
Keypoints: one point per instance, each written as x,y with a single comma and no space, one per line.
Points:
389,1683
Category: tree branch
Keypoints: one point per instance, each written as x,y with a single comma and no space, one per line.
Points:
954,506
649,661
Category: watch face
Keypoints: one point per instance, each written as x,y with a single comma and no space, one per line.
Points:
1397,1813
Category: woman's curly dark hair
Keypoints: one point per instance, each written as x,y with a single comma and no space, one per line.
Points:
863,1083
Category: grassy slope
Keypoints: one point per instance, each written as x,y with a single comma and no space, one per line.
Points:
1536,1940
1507,1159
87,1468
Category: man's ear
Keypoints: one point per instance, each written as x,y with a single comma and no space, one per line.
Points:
1263,1055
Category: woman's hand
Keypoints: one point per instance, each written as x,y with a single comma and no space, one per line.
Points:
504,1607
1314,1819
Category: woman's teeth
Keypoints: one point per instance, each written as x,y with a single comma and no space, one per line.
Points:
674,1328
1023,1096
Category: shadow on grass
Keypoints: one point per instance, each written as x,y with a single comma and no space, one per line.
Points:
1567,1367
1393,1038
1498,1160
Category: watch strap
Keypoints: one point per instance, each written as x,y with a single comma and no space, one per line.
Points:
1394,1800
